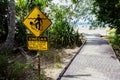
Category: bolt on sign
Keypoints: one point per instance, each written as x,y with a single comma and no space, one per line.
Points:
37,22
37,43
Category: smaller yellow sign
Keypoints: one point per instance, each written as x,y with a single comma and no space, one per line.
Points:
37,43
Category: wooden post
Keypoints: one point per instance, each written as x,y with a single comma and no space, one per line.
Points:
39,68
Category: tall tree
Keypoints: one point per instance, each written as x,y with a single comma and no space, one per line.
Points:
82,10
11,27
3,20
108,12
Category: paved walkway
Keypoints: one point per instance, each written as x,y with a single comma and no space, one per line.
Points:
96,61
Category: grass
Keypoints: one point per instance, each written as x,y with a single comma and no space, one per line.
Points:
58,65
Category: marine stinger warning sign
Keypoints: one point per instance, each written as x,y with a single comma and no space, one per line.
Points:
37,22
37,43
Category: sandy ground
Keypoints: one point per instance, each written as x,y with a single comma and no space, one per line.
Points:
54,71
102,31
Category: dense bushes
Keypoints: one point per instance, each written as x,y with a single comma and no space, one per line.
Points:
63,35
114,38
20,34
12,69
115,41
3,20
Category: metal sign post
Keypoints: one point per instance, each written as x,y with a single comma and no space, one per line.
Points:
39,68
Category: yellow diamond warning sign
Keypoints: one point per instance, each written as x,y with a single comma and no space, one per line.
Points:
37,22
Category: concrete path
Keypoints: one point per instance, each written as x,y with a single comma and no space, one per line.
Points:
96,61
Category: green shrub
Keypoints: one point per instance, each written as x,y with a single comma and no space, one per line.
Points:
78,38
12,69
115,40
111,33
16,70
20,34
63,35
3,66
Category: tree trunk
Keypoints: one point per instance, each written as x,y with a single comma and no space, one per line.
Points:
9,43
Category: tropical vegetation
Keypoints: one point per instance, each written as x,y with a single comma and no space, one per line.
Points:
16,63
61,33
108,14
